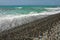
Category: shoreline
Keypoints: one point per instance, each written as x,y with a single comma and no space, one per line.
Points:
11,21
43,25
7,23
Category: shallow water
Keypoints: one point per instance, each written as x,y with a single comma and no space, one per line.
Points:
11,17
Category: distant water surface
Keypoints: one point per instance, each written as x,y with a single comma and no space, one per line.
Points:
13,10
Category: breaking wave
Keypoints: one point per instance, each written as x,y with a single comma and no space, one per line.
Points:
11,21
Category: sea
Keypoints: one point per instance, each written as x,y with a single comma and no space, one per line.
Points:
13,16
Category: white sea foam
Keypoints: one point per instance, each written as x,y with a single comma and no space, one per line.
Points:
19,7
11,21
53,9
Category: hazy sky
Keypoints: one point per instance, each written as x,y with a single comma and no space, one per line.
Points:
29,2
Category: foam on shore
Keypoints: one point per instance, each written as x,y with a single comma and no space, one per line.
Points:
11,21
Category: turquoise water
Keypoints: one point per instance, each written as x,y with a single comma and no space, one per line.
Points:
8,10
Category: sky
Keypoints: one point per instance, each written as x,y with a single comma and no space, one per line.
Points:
29,2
